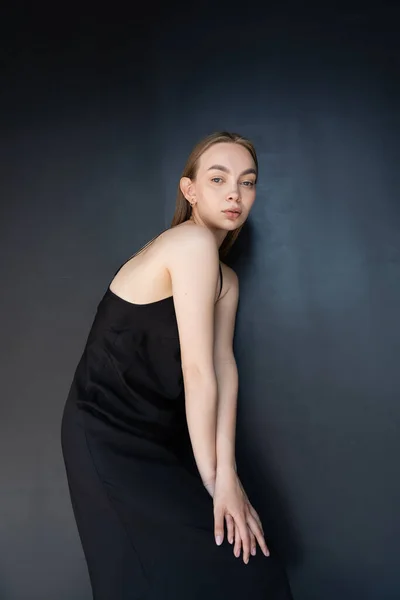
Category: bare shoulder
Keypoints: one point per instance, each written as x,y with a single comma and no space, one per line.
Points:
186,236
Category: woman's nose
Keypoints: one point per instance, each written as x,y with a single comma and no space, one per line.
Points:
234,195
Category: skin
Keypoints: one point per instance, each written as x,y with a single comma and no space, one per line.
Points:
226,178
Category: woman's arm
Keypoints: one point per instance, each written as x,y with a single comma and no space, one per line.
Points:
227,382
193,262
226,473
226,372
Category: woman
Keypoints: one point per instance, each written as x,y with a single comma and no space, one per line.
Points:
148,429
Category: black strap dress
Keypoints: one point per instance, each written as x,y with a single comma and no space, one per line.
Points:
144,518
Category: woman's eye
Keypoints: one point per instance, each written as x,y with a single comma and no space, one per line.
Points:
245,183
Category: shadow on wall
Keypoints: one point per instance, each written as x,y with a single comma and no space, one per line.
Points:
281,534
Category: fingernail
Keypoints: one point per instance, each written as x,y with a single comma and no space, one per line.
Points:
246,560
218,539
253,551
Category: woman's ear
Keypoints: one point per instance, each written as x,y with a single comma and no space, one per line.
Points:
187,188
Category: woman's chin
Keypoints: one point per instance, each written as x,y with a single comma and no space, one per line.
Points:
232,224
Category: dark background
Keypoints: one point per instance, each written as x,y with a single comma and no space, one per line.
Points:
98,112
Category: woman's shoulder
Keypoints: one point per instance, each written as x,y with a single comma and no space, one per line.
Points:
188,231
186,236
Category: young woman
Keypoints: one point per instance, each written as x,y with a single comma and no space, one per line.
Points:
148,429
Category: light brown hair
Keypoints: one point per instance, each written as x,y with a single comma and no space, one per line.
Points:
183,209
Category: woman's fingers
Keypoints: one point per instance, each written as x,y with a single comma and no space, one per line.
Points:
242,530
238,542
253,547
248,544
230,528
257,532
254,514
245,537
219,514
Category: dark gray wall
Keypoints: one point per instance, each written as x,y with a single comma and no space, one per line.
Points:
97,120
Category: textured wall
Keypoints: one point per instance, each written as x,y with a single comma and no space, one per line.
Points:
97,120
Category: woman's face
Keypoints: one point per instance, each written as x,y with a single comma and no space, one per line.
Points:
226,179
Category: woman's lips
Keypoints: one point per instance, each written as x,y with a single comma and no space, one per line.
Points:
231,214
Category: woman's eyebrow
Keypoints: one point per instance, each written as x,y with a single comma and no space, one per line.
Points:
222,168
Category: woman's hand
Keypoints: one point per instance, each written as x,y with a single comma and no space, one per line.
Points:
232,505
255,515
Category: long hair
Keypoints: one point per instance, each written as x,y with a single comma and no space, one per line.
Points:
183,209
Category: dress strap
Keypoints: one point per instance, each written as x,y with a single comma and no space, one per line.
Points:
140,250
220,276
